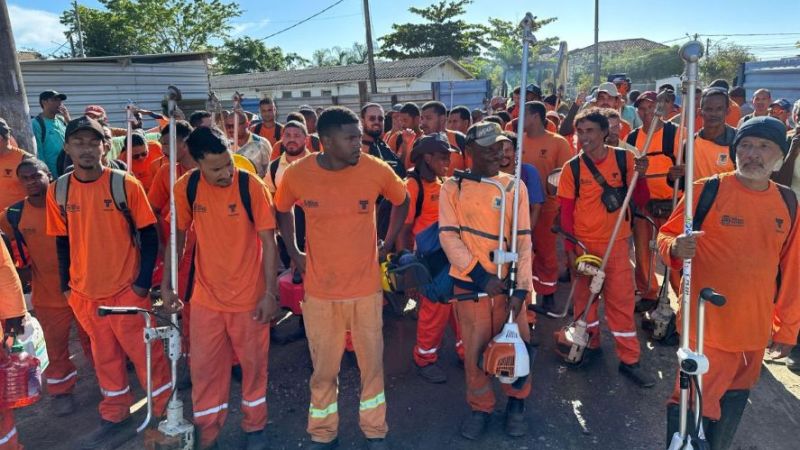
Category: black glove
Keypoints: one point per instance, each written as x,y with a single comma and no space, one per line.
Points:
14,327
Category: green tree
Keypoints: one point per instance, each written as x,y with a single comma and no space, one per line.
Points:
247,55
151,26
645,66
442,35
505,50
339,56
724,62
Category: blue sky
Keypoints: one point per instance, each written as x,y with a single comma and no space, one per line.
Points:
36,26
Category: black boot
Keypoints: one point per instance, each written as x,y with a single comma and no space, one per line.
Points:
793,360
474,425
723,430
546,306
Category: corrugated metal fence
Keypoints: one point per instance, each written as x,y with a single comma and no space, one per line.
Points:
110,83
781,77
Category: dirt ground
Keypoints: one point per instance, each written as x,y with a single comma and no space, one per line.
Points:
591,407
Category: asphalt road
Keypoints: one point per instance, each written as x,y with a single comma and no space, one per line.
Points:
591,407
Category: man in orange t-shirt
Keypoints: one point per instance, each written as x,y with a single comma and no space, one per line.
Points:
661,156
52,310
232,305
586,215
108,269
143,154
402,141
750,215
10,157
268,128
468,213
433,119
431,157
342,276
547,152
12,310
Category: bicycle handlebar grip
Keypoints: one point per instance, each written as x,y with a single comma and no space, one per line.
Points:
712,296
463,174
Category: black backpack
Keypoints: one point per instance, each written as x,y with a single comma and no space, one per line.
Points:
14,216
277,132
413,174
667,140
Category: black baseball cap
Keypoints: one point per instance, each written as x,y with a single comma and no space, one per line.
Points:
431,143
47,95
84,123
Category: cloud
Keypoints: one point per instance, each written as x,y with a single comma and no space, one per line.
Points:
256,27
35,28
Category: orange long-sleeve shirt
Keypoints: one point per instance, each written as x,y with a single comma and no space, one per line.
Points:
469,219
12,302
748,236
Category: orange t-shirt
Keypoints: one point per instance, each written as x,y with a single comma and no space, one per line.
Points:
658,164
269,133
226,235
593,223
12,300
734,114
430,203
458,161
45,281
710,158
341,235
748,235
547,153
141,168
549,126
11,189
103,259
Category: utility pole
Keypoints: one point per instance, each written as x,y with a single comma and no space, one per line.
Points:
13,103
708,46
78,25
373,82
596,43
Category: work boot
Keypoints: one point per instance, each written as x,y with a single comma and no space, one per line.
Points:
377,444
546,306
645,305
256,440
432,373
63,405
102,434
324,445
732,406
636,374
473,426
793,360
516,426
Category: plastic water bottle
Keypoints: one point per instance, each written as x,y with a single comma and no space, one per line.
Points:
21,378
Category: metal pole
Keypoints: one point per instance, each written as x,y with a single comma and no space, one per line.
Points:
80,33
237,98
596,42
13,103
691,52
373,82
129,135
172,104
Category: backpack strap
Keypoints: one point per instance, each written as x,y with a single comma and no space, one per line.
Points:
244,193
420,194
668,140
120,197
273,170
14,216
62,191
790,198
593,169
707,197
461,141
575,167
622,163
191,188
278,131
257,129
631,139
315,143
42,125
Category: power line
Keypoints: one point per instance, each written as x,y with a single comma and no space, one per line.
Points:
302,21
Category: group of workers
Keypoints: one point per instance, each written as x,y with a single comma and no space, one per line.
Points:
329,194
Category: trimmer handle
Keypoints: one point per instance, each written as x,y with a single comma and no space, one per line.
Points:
470,296
107,310
712,296
463,174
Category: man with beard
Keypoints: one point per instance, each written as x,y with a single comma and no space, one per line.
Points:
338,189
252,146
268,128
759,313
459,119
402,142
433,119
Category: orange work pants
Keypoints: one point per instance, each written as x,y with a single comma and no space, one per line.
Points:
618,295
646,263
113,338
216,337
432,320
8,431
326,323
727,371
480,322
61,374
545,261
